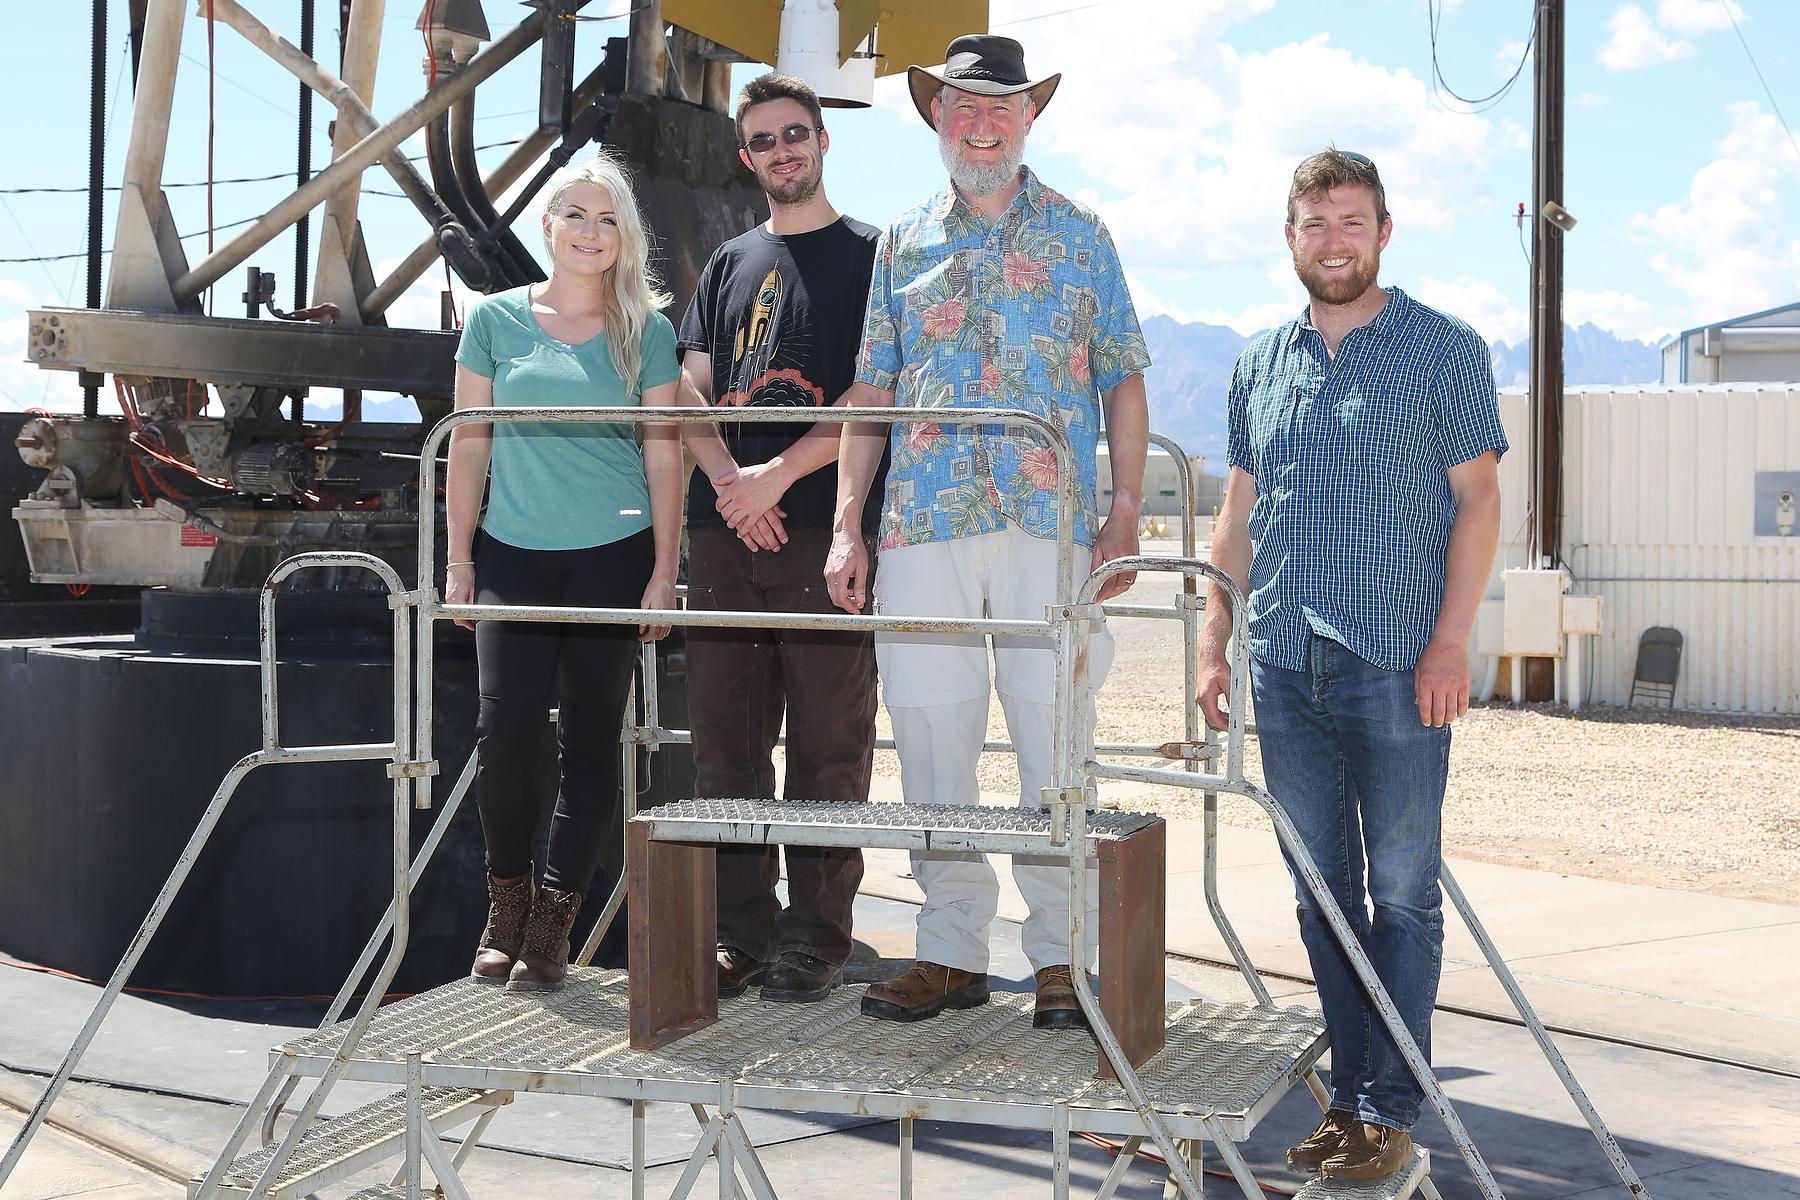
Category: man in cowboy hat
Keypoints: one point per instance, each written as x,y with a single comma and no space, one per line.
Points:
996,293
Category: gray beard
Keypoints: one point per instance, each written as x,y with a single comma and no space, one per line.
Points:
972,180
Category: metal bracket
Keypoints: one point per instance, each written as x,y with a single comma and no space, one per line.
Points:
410,599
1186,603
1074,612
1188,751
412,770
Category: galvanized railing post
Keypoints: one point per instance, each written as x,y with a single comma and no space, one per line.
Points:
271,752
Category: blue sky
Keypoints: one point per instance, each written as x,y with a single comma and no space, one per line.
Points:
1179,119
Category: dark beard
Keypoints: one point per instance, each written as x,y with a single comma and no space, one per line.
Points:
1340,289
793,192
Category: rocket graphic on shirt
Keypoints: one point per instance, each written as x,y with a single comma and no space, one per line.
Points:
754,379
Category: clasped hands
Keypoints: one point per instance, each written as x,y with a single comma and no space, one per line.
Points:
749,501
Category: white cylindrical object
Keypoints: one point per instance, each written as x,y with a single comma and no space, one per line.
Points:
808,50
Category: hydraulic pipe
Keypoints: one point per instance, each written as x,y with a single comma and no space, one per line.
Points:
519,263
437,151
359,157
501,178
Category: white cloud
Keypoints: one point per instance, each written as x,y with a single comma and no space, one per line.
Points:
1724,244
1591,99
1195,143
1480,302
1637,42
1698,16
1620,314
1508,56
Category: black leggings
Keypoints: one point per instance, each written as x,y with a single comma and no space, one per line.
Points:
584,670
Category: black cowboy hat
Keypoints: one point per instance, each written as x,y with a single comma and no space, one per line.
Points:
984,64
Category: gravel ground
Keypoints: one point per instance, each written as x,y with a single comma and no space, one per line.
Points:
1699,802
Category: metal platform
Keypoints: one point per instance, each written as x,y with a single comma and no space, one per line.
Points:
1224,1064
990,830
1393,1187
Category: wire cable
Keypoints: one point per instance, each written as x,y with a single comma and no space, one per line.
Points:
1434,19
1729,7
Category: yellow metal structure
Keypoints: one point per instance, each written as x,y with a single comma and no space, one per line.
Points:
907,32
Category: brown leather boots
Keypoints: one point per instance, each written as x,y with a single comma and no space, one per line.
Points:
526,942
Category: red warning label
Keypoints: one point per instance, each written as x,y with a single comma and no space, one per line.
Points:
190,536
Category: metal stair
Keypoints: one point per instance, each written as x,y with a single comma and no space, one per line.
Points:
959,827
339,1147
1397,1186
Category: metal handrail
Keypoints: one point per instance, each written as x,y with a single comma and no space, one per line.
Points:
272,752
431,609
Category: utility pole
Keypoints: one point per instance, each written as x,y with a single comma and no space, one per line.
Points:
1550,221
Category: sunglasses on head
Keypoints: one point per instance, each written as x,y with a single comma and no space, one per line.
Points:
793,135
1354,157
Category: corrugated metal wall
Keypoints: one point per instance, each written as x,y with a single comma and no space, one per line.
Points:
1658,520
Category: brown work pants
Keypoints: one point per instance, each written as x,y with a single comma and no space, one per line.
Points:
741,684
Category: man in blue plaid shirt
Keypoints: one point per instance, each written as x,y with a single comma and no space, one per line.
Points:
1360,520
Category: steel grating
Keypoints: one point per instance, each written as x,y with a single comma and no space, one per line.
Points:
1220,1060
862,1054
1395,1186
1008,829
419,1022
336,1140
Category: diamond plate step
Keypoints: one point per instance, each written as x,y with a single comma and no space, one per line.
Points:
995,829
1398,1186
339,1147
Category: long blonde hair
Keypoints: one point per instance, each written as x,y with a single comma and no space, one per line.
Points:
633,292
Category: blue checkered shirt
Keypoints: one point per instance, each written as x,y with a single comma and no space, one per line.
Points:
1353,503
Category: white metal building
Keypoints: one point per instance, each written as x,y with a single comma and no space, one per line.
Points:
1759,346
1679,510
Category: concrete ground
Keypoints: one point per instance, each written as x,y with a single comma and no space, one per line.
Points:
1688,1040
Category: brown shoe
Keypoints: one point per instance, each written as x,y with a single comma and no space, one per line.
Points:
800,978
1325,1142
544,950
925,991
508,907
1057,1007
1368,1151
737,971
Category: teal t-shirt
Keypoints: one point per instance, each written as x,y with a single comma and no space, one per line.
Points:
561,485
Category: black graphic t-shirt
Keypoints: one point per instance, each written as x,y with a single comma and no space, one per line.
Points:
781,318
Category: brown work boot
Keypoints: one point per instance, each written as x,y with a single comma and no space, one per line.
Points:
925,991
508,906
1368,1151
1324,1142
544,950
737,971
800,978
1057,1007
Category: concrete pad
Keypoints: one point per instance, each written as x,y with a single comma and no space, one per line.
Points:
60,1167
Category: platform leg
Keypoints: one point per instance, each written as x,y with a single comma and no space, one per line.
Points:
1121,1164
1133,893
674,925
1240,1170
637,1150
415,1119
906,1158
1059,1153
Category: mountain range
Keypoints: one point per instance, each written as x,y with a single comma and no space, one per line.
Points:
1191,379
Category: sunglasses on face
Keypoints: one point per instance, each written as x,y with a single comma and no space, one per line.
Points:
793,135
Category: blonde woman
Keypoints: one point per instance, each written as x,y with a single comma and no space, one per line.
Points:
577,516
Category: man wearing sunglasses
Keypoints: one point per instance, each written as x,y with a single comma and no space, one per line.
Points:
775,321
1360,520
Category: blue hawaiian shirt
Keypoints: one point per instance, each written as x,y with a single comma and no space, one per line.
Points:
1353,504
1031,312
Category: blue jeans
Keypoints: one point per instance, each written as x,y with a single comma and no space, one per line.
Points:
1346,756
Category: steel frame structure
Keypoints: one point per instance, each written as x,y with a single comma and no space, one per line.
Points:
336,1052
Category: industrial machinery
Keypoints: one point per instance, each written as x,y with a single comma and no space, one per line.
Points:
195,469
